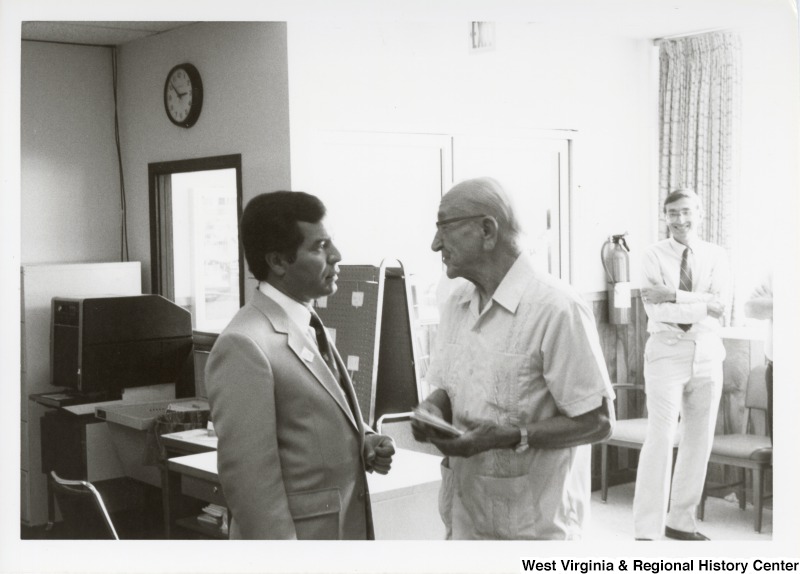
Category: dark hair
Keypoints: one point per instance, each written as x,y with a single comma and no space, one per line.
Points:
269,224
678,194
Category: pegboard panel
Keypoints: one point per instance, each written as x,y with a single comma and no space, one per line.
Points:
369,320
352,317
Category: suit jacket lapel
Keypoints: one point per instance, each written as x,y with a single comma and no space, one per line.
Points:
347,383
307,353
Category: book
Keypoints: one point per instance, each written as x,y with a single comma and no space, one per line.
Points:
436,423
215,510
207,519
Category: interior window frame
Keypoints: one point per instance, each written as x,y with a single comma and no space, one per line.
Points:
161,264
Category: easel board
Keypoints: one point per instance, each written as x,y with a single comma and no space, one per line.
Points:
369,320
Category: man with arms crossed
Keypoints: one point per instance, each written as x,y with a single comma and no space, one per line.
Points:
518,366
293,448
685,290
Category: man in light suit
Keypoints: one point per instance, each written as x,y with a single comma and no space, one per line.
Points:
685,290
293,449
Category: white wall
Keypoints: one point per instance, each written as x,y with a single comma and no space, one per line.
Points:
420,77
70,177
69,206
770,153
395,76
245,110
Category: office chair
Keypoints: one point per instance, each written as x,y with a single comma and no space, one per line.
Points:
746,450
82,508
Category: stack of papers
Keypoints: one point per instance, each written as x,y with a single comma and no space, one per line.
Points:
436,423
216,516
215,510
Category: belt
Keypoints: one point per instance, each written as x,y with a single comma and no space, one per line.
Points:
682,336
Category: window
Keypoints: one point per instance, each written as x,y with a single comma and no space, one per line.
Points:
195,206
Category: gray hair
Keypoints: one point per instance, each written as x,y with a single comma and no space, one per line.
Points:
485,195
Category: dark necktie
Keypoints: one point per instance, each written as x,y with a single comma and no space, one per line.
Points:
324,347
327,354
686,281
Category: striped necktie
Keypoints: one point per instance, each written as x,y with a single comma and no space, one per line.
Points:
326,351
686,281
324,345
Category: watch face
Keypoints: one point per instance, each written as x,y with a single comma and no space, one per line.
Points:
183,95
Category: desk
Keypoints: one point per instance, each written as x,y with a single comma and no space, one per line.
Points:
78,446
404,502
174,485
188,442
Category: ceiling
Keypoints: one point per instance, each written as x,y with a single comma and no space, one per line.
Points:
628,18
94,33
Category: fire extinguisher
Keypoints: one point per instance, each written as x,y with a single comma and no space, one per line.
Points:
614,255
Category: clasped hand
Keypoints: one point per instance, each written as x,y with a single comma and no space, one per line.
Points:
715,309
378,451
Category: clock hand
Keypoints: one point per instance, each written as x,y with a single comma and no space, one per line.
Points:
180,95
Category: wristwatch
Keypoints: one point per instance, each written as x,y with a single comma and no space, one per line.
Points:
523,440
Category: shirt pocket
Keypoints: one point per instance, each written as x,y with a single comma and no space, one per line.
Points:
316,514
502,378
484,384
500,508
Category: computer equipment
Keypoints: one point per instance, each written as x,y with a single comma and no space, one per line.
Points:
106,344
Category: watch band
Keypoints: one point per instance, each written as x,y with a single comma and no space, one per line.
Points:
523,440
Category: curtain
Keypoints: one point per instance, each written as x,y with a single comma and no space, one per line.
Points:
699,109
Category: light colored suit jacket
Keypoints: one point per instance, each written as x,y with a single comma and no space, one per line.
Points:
290,452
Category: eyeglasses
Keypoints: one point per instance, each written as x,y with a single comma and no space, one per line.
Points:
440,225
673,215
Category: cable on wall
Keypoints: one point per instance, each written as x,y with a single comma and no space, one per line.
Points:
123,255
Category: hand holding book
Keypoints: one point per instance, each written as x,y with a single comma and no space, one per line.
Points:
434,426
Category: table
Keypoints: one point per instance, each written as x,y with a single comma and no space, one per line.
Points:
189,441
174,486
404,502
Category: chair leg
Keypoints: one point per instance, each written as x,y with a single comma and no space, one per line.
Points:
603,471
701,508
758,495
51,506
741,489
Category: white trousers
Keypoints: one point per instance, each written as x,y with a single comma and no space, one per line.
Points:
683,376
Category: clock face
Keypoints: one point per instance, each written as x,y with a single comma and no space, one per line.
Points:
183,95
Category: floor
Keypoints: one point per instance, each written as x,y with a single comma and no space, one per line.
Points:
610,521
135,512
129,526
613,520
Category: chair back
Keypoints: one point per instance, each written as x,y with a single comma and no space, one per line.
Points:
756,395
82,508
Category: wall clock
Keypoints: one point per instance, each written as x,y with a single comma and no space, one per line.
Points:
183,95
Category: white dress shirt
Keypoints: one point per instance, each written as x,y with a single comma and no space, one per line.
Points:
298,313
661,266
